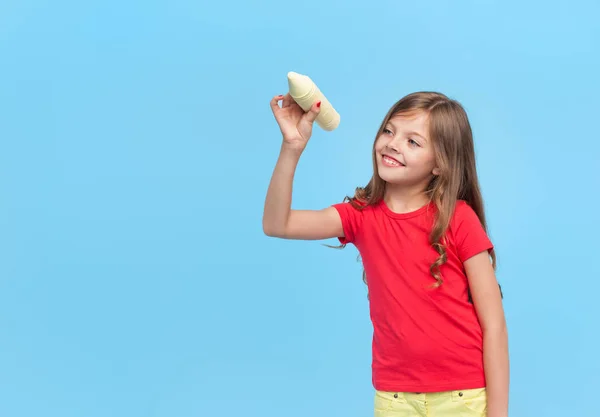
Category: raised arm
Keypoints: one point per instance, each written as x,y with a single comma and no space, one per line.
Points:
279,220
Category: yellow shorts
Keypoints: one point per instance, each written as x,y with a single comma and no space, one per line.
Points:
460,403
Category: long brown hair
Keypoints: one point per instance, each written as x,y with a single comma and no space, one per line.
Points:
450,132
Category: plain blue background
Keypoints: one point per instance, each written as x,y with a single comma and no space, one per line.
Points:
136,146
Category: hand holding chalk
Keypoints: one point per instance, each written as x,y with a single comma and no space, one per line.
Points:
305,92
301,107
296,125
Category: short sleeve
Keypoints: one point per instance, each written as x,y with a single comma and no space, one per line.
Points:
469,235
351,220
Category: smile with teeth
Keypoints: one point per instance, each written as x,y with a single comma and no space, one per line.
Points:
391,162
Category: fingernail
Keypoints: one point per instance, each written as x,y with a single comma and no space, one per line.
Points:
319,104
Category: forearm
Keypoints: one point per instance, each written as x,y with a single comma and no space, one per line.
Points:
279,194
496,366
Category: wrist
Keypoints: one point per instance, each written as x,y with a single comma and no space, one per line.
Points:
291,151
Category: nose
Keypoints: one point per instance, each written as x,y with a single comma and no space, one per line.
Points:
393,145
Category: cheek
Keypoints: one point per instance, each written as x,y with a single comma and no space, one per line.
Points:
424,160
380,143
428,158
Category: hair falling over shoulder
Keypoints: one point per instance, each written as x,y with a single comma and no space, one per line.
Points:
451,134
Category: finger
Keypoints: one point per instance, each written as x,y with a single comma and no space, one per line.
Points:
314,111
275,103
287,100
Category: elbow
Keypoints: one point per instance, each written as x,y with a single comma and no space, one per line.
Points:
271,231
268,231
274,226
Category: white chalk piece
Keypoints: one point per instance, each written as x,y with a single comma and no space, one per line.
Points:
305,92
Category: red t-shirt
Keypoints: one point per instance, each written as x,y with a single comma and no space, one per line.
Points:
425,339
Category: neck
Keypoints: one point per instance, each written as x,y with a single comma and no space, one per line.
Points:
403,199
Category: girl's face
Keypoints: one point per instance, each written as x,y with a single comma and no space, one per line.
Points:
404,151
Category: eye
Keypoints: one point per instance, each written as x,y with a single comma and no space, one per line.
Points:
387,131
412,142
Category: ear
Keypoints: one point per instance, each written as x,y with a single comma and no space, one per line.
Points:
436,171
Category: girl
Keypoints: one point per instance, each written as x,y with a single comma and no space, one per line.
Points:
439,335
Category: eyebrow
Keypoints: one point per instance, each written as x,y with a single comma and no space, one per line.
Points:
410,133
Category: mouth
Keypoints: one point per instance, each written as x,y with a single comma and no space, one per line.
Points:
391,162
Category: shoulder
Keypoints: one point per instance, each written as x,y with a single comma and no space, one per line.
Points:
462,207
353,206
464,214
465,220
468,232
354,214
354,209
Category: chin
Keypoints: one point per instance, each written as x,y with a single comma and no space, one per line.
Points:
393,181
384,174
